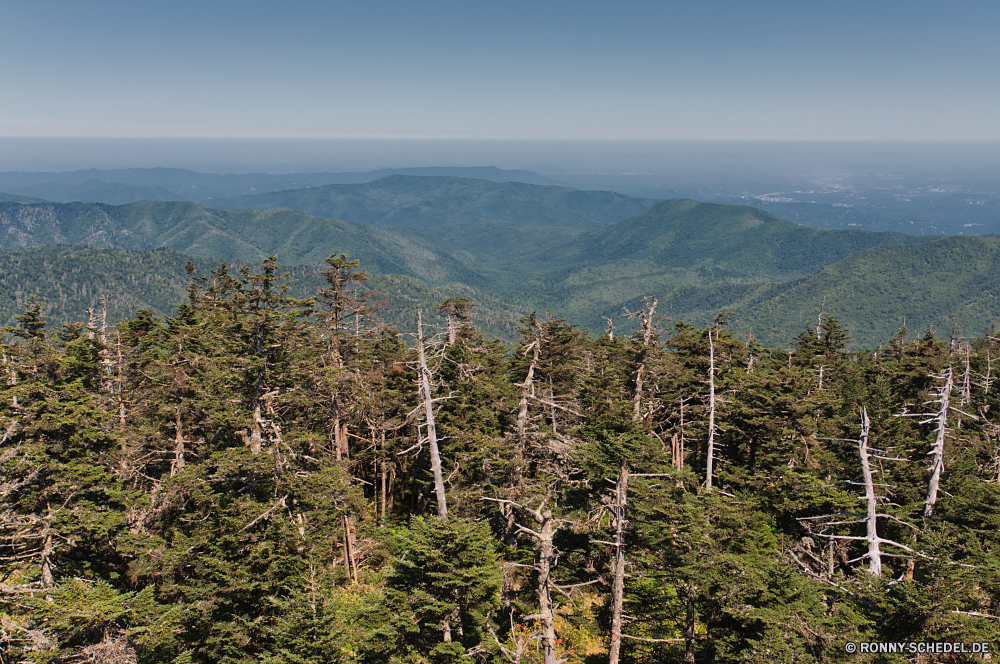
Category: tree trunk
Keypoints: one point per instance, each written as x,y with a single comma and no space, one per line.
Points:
689,626
709,470
552,406
522,410
871,517
350,562
48,579
546,553
255,433
425,385
382,505
618,584
937,452
647,338
178,463
967,378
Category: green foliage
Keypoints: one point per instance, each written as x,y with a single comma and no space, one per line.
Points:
247,481
446,581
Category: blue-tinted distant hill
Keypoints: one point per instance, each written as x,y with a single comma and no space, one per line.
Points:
240,235
699,259
98,191
477,215
114,186
13,198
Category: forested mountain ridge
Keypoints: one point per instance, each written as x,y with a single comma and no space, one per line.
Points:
935,285
69,280
228,235
187,185
697,258
460,212
748,243
254,479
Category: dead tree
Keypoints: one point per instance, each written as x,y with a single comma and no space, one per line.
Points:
546,527
709,469
966,389
619,521
937,451
819,524
428,404
647,318
527,387
456,309
618,583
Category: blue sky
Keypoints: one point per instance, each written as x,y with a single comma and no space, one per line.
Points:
511,70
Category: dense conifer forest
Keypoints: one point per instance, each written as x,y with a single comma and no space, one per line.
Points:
261,478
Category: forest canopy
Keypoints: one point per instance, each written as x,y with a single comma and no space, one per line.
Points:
262,478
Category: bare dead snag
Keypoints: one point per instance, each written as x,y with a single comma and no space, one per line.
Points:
937,451
871,516
618,583
526,386
425,389
383,482
350,557
709,469
871,538
967,377
647,317
544,536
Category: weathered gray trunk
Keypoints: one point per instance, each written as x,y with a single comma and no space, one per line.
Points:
647,338
546,553
255,433
710,470
526,387
48,579
383,482
425,388
178,463
871,516
937,452
618,582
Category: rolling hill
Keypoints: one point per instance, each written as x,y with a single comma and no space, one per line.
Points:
698,259
952,280
246,235
70,279
461,212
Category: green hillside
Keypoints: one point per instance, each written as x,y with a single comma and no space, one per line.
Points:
696,258
459,211
953,280
71,279
693,256
242,235
724,242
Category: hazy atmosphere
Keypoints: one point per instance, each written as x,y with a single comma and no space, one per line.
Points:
523,70
398,332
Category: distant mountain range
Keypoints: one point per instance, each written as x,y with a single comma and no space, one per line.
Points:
68,280
130,185
584,255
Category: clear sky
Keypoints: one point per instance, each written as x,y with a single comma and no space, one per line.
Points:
709,69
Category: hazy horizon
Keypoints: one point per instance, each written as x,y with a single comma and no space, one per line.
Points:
644,70
276,155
